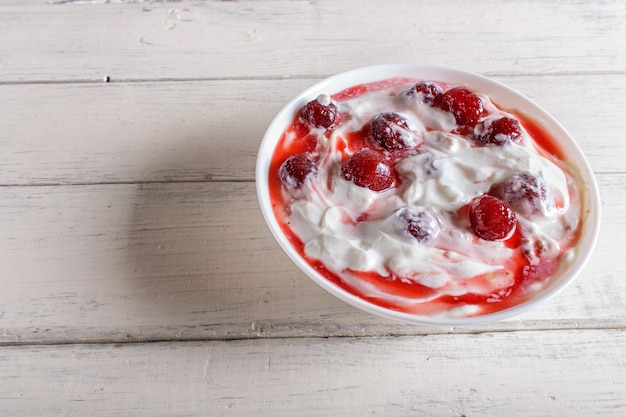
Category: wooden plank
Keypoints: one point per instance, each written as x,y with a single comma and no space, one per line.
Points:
89,133
199,131
558,373
196,261
219,39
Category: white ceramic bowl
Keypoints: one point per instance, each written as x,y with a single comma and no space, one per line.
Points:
499,93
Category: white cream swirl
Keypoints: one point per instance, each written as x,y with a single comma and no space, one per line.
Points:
443,175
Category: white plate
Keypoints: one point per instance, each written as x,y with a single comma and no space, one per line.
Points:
499,93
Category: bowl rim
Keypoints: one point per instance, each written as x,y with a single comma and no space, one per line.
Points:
501,94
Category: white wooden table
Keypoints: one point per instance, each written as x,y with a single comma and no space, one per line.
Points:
137,275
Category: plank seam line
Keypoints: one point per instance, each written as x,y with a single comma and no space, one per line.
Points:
107,79
173,181
617,328
136,182
110,80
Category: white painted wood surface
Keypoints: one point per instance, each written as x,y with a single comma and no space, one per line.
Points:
493,374
133,252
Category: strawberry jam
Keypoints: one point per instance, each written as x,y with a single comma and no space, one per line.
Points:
424,197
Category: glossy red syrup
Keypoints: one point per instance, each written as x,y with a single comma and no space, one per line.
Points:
525,274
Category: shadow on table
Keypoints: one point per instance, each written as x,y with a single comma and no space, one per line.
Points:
202,260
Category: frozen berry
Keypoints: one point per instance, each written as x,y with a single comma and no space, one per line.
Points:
525,193
492,218
367,168
393,131
295,169
427,91
421,224
500,131
321,112
465,106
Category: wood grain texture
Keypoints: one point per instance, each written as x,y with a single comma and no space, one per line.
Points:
128,136
196,261
203,131
559,373
244,39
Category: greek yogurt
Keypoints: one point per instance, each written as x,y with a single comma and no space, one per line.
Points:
401,231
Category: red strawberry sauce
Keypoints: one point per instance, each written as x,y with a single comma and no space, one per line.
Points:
525,272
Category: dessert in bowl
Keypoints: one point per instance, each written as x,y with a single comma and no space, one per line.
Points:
427,194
